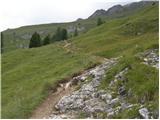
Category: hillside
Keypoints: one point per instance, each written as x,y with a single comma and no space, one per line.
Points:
30,75
19,38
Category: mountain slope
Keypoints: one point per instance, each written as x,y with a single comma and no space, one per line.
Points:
19,38
28,74
129,29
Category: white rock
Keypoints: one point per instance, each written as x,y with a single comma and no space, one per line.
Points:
110,114
144,113
114,101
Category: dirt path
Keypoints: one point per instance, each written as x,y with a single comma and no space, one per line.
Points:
47,107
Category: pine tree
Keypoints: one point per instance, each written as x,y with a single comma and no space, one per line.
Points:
99,21
58,35
75,32
1,42
64,35
46,40
35,40
61,34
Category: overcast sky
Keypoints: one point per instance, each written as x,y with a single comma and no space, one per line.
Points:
16,13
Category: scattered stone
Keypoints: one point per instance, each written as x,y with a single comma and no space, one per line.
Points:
150,57
122,91
144,113
110,114
114,101
106,97
87,98
92,101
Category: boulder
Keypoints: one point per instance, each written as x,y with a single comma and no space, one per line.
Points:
144,113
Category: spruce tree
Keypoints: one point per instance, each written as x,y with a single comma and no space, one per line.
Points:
64,35
75,32
35,40
46,40
99,21
58,35
61,34
1,42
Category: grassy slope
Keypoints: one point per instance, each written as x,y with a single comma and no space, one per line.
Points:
23,88
28,74
101,41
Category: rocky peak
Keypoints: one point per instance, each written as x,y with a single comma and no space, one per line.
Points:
119,10
98,13
79,19
115,9
136,5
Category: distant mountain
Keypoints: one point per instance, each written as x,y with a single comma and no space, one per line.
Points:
119,10
100,12
115,10
19,37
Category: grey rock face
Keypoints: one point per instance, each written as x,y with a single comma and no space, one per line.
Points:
115,9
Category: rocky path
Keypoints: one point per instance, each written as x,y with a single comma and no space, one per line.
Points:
87,84
87,98
81,97
46,108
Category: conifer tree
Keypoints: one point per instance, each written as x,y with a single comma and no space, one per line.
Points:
75,32
35,40
99,21
46,40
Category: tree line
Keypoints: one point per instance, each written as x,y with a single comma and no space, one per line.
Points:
60,34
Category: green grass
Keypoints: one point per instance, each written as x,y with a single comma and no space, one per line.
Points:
28,73
101,40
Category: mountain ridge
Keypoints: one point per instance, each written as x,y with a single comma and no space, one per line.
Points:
119,9
18,38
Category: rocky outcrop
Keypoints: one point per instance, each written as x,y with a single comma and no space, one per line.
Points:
87,97
150,57
90,100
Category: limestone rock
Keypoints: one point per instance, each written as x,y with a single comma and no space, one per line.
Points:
144,113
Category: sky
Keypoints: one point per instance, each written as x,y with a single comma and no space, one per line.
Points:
16,13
